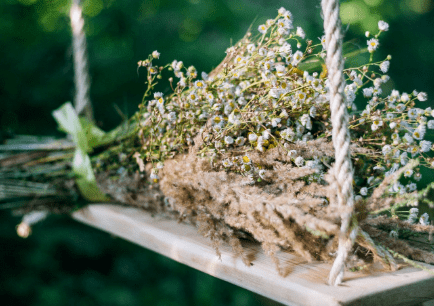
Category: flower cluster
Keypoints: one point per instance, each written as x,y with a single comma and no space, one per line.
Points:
272,91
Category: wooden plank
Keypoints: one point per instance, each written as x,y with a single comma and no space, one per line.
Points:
305,284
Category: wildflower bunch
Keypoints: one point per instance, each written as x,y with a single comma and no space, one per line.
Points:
261,98
248,146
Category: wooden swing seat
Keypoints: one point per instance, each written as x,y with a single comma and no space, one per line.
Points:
304,285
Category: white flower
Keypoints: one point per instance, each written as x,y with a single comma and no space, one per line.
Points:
425,145
399,188
275,121
271,54
229,140
424,219
251,48
422,96
179,65
262,51
408,138
312,112
386,150
405,97
261,173
383,26
253,137
414,150
411,187
285,49
378,82
226,163
400,107
266,134
270,22
199,84
240,141
323,41
300,33
282,11
376,123
378,167
430,124
417,134
393,234
299,161
292,153
412,113
297,57
262,29
384,66
274,92
280,69
193,96
414,211
217,120
299,129
305,120
408,173
288,134
364,191
156,54
287,15
412,218
367,92
373,44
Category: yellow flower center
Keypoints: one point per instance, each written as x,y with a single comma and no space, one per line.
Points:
246,159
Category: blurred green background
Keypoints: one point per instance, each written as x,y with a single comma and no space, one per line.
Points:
65,263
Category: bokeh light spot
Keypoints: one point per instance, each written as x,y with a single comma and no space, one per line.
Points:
353,12
373,2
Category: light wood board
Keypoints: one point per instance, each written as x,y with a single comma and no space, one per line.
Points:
304,285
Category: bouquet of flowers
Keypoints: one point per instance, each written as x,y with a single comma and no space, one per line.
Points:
245,151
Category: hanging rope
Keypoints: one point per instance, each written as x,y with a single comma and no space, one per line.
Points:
341,138
81,73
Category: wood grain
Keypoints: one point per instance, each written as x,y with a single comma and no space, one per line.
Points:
304,285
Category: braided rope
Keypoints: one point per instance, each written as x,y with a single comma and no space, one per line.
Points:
81,72
341,138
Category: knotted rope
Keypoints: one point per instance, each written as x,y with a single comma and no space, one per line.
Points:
81,73
342,169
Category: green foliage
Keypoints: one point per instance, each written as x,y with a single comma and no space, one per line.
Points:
85,138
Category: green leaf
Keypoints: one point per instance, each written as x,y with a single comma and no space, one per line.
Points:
85,178
69,123
94,134
85,136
